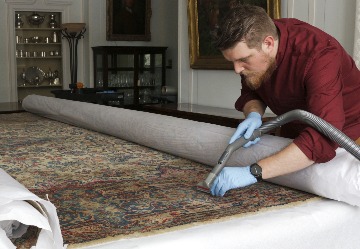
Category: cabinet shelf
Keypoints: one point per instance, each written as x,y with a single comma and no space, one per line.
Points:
39,43
37,29
40,86
129,68
134,67
39,57
118,69
131,87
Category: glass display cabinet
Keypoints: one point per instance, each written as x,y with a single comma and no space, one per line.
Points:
138,72
38,52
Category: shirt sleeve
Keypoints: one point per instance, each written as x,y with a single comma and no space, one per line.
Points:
324,99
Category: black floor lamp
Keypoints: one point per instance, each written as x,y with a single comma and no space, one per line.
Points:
73,33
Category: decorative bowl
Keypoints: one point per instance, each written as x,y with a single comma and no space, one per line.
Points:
36,19
34,76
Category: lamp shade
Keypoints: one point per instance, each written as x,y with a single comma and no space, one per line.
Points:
73,27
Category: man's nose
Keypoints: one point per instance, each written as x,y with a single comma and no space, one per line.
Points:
238,67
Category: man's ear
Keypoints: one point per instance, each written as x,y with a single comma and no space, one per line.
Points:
268,44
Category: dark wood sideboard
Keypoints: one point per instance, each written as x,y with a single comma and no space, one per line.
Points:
208,114
214,115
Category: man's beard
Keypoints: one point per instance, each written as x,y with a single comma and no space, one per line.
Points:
254,79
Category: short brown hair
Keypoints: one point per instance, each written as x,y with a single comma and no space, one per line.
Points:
247,23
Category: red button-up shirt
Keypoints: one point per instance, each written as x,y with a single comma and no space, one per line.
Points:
314,73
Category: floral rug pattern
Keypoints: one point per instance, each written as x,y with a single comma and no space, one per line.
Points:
103,186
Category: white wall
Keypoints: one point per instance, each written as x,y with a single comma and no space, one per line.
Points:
336,17
222,88
93,12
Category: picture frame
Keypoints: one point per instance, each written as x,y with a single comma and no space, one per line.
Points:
128,20
202,54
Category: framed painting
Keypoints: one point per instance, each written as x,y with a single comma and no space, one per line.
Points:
128,20
202,54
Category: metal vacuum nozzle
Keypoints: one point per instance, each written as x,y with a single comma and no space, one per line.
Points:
205,185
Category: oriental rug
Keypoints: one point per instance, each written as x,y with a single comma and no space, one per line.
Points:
106,188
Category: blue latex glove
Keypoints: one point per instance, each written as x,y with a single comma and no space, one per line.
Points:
247,127
230,178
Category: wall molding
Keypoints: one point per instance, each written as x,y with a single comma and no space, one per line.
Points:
25,2
312,11
46,2
58,2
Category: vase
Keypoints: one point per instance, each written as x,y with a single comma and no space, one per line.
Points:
18,22
53,22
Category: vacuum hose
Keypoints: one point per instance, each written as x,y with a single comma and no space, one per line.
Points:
319,124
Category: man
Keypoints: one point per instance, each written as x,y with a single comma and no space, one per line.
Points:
287,64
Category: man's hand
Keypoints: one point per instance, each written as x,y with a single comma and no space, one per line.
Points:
230,178
247,127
